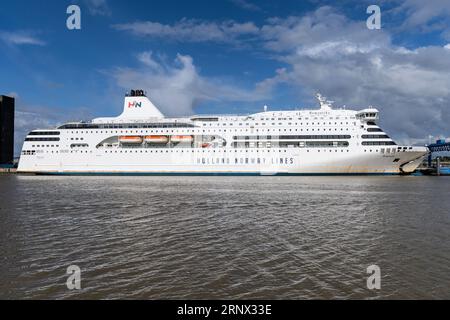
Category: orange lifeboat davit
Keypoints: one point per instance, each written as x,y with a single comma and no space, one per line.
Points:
179,139
130,139
156,139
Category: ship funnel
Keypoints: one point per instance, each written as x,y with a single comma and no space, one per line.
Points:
137,106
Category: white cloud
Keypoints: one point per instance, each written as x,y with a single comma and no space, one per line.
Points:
98,7
20,38
178,87
191,30
246,4
321,27
427,15
147,59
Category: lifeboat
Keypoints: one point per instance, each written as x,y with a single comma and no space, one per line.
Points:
156,139
206,145
178,139
130,139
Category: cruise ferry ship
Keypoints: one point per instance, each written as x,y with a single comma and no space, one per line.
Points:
324,140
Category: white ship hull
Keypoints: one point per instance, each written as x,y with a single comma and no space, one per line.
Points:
271,162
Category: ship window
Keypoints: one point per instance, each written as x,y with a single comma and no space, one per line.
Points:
44,133
42,139
375,136
374,130
378,143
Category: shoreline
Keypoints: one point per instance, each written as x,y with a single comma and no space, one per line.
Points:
6,171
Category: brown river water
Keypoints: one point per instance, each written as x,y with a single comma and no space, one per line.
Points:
224,237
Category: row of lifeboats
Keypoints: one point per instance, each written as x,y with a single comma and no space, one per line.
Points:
155,139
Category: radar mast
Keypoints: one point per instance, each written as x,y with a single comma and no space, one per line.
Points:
324,103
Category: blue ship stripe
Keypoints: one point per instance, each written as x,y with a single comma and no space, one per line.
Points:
211,174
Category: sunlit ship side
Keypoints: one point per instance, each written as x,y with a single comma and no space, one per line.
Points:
142,141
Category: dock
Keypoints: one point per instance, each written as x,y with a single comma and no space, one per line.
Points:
8,171
440,165
433,171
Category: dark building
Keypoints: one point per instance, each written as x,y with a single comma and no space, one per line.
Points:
6,130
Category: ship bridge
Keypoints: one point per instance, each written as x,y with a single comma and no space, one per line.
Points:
368,114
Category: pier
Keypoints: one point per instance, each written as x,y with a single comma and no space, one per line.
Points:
8,170
441,165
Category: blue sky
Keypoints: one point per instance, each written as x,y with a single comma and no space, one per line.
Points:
228,56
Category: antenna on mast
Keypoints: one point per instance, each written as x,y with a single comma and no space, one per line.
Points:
324,103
